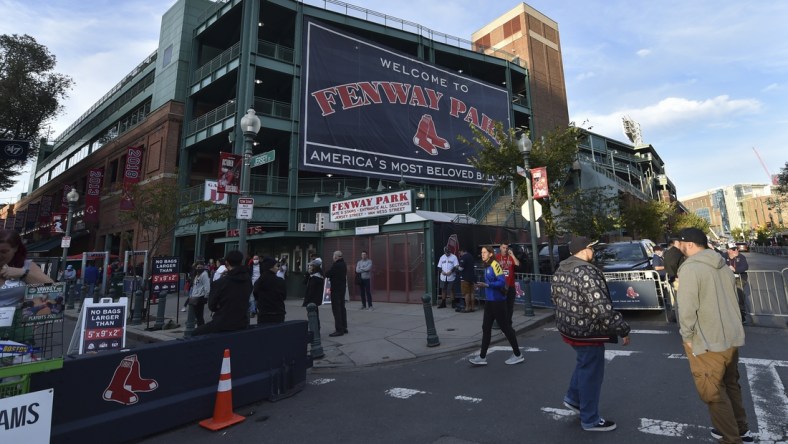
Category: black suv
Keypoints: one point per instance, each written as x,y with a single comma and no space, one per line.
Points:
625,256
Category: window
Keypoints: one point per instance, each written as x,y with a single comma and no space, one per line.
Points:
167,57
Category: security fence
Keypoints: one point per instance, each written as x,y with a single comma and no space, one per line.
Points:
766,292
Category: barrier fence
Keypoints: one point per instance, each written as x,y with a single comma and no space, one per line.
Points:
766,292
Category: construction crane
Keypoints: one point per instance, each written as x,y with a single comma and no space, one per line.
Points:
763,164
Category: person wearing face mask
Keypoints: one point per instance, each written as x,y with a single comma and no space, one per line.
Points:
256,271
201,287
658,262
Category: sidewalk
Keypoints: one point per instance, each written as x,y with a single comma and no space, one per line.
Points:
391,333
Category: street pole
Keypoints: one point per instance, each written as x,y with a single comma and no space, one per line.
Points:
250,125
72,197
525,145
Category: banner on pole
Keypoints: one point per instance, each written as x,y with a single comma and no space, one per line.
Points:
539,177
131,176
229,173
93,194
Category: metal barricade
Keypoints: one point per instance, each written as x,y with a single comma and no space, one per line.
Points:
766,292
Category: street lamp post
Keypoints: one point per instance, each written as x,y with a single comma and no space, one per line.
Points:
72,198
525,145
250,125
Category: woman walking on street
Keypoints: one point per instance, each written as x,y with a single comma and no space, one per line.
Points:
495,309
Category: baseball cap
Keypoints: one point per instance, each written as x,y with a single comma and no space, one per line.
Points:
70,267
580,243
267,262
732,246
693,235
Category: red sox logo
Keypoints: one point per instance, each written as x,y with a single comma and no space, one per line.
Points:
427,138
126,382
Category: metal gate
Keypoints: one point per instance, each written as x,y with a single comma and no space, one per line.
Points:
766,293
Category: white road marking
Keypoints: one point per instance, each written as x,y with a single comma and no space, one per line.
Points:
558,414
468,399
666,428
321,381
610,354
768,396
403,393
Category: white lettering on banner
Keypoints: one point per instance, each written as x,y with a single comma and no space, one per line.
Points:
380,205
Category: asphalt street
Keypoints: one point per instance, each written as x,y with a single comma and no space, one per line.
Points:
648,391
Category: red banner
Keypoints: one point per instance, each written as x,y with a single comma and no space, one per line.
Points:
64,199
93,194
229,173
539,177
131,176
45,215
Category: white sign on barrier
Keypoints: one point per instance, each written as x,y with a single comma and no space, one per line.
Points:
28,418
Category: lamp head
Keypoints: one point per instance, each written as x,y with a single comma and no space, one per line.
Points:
524,143
250,123
72,195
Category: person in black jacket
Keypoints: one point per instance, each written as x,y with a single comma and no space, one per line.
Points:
338,275
270,293
314,288
229,298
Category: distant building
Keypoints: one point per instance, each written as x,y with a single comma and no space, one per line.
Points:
740,206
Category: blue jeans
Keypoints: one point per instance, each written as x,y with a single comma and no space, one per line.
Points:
586,384
366,292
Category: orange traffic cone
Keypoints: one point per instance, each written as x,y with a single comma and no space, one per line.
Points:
223,415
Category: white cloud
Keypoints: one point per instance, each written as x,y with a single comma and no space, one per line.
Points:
643,52
772,87
585,75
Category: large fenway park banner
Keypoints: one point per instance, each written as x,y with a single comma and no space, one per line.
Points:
371,110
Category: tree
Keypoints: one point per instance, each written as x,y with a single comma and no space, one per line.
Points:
646,220
691,220
158,211
782,181
500,156
589,212
30,95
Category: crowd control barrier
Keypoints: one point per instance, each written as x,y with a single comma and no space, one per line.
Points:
629,290
114,397
766,293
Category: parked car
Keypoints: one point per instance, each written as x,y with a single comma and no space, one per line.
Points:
625,256
560,252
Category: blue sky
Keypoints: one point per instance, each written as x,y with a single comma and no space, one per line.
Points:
707,80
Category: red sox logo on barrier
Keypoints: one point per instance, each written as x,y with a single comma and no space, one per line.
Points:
126,382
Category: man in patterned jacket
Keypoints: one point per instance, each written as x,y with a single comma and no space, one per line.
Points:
586,320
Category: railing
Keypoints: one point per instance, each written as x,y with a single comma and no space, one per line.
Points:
623,184
211,10
272,108
774,251
766,292
404,25
211,117
485,202
275,51
217,62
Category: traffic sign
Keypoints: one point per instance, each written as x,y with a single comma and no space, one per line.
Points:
65,242
262,159
245,208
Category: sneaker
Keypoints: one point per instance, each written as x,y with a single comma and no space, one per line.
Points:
183,309
602,426
371,309
364,307
478,360
515,359
573,407
745,437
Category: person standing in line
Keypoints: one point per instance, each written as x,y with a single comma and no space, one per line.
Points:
314,288
255,270
338,276
737,262
509,263
586,321
467,279
673,258
712,333
270,294
221,270
364,269
447,264
200,289
282,271
229,298
658,262
495,309
91,278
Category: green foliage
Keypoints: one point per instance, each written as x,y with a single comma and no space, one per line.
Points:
30,94
688,220
157,211
647,220
782,181
589,212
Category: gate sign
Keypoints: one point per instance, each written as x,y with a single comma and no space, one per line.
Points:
27,418
387,204
103,326
14,149
165,274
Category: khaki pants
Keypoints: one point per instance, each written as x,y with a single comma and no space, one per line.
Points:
716,376
467,292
